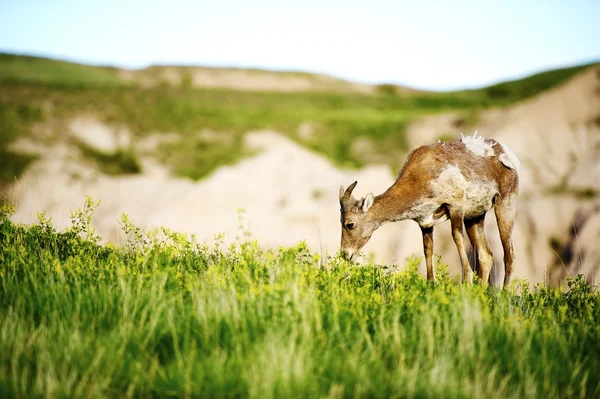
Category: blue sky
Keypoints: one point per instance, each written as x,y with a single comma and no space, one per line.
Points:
425,44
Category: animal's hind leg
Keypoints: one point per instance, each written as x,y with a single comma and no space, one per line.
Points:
505,209
456,221
479,241
428,250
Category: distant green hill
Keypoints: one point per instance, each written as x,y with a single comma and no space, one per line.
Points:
37,70
519,89
36,91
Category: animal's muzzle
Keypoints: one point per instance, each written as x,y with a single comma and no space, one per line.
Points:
348,254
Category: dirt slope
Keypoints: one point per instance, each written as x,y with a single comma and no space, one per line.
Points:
246,79
288,194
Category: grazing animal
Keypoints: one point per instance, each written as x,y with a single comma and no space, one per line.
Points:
458,180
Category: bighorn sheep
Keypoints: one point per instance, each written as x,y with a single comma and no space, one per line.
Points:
458,180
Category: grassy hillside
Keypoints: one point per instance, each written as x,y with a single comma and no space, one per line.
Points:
530,86
171,318
50,93
44,71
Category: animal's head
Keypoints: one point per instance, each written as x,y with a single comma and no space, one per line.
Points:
357,226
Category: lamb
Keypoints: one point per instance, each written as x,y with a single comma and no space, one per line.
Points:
460,180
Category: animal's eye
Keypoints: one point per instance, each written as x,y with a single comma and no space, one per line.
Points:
350,225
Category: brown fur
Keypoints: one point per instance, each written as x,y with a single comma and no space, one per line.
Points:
439,181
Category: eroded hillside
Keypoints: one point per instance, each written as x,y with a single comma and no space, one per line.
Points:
173,154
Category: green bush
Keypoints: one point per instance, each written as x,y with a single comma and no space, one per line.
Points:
387,89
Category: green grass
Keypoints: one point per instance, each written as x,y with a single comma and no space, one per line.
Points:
168,317
57,91
122,161
197,156
14,122
12,165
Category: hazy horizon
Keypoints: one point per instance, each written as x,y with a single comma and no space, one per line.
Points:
273,69
432,46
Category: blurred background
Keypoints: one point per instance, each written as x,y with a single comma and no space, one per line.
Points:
244,118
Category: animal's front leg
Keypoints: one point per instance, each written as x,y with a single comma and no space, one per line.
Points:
428,250
456,221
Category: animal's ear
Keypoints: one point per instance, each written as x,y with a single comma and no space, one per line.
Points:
367,202
341,192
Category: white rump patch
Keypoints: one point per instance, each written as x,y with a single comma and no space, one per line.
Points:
477,145
509,159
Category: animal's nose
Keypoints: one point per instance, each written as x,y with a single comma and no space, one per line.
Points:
348,254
